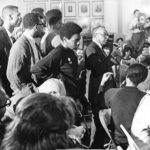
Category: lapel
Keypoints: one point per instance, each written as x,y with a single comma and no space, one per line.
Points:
99,50
7,41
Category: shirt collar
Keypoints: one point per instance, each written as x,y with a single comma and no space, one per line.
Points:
97,43
29,37
8,32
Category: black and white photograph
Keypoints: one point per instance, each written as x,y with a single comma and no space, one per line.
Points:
74,74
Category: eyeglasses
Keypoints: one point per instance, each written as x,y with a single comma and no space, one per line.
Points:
8,103
105,34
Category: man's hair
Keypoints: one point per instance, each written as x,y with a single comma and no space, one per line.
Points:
8,10
53,16
94,31
38,11
135,11
40,123
69,29
118,39
30,20
137,73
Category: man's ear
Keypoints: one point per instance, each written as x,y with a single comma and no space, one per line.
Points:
10,16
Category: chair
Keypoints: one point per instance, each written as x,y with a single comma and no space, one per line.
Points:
132,144
105,117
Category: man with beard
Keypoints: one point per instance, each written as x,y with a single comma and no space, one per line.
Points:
11,19
24,54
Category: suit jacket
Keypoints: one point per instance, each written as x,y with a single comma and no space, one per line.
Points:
5,46
22,57
95,60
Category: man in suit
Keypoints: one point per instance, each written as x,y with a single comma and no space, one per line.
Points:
96,61
24,53
11,18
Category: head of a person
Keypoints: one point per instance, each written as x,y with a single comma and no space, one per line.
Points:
107,50
137,73
119,41
32,22
41,122
40,11
100,35
54,19
80,54
136,13
53,86
11,15
127,52
148,19
70,35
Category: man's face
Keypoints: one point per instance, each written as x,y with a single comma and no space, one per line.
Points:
58,25
102,36
39,29
107,51
74,42
120,43
15,18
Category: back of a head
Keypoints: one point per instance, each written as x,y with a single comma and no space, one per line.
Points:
69,29
53,16
7,10
137,73
41,122
30,20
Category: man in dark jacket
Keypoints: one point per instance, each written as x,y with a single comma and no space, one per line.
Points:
11,18
96,61
62,61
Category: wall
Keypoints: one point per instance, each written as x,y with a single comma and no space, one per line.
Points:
87,13
116,16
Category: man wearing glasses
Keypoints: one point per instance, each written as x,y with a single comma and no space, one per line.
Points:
96,62
24,54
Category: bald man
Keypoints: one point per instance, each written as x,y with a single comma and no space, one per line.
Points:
11,18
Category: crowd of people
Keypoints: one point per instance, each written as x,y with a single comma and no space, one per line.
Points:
43,82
